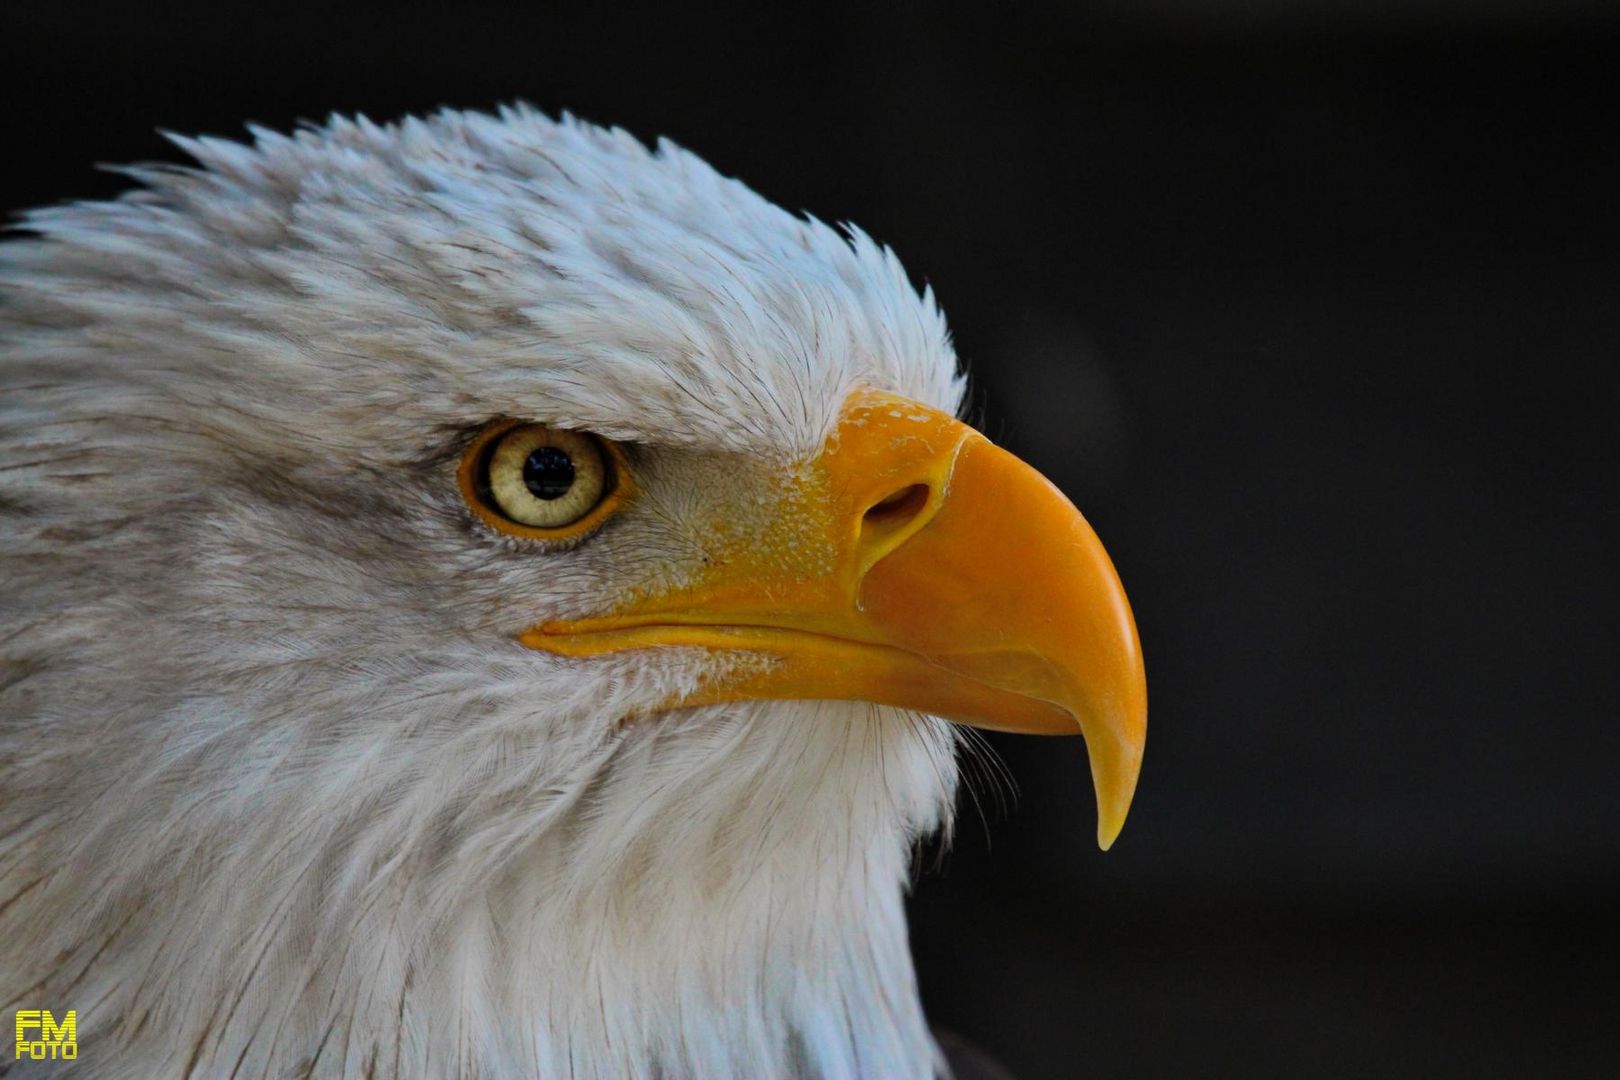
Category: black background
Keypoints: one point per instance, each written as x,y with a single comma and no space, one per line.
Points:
1311,307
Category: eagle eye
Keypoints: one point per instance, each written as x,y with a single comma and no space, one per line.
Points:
541,482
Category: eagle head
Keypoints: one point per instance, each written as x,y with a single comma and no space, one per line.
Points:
480,596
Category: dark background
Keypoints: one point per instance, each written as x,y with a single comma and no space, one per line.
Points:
1311,307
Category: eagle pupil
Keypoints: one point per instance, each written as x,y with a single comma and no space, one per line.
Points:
548,473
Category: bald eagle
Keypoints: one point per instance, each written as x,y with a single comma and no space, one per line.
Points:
483,597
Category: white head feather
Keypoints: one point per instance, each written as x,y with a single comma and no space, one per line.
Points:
280,791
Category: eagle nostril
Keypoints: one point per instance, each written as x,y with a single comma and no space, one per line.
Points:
896,508
890,521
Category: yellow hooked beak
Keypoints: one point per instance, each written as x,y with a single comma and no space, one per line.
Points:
914,564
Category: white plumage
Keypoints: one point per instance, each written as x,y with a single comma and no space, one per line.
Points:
310,767
280,792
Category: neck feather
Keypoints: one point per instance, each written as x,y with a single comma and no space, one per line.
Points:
711,893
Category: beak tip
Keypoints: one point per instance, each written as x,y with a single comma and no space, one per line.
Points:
1116,766
1108,830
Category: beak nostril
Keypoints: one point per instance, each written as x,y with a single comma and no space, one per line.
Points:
897,507
891,521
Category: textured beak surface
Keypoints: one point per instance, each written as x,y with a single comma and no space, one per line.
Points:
914,564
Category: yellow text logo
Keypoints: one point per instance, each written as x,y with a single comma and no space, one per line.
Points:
54,1040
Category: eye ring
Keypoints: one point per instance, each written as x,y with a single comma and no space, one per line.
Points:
540,482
